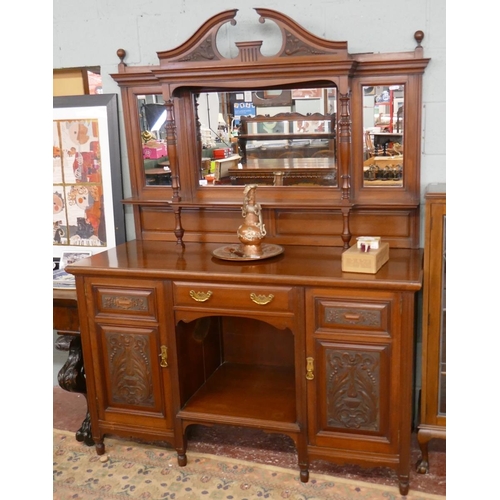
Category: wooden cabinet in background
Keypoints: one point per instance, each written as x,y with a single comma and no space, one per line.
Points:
433,395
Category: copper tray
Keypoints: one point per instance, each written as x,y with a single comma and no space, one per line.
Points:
233,252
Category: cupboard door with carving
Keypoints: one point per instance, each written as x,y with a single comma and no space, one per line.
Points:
357,389
133,390
130,358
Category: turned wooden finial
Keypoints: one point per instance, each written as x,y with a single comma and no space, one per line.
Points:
419,36
121,54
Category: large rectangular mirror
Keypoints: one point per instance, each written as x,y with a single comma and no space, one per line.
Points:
383,129
267,137
270,137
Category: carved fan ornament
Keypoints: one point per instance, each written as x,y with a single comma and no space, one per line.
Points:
296,41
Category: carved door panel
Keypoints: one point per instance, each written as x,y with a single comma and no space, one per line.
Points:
135,384
130,354
352,403
352,391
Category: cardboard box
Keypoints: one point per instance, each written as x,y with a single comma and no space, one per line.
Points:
356,261
154,151
222,166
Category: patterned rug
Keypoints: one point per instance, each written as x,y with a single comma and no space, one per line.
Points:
147,472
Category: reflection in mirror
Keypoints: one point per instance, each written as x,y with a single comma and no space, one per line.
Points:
268,137
152,120
383,127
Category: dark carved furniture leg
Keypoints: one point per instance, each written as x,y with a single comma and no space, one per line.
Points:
71,378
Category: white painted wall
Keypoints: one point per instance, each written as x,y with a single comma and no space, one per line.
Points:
89,34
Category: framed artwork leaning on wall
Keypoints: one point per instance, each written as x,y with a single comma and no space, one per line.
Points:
87,179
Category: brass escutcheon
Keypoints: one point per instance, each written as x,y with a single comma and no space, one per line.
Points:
261,300
200,296
163,356
310,369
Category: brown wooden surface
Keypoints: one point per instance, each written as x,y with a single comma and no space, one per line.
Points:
133,299
299,265
231,361
65,311
350,201
432,420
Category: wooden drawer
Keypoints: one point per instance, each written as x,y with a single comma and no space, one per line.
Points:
347,315
131,302
245,298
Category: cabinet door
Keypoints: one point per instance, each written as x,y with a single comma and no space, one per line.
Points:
133,382
130,362
433,399
353,347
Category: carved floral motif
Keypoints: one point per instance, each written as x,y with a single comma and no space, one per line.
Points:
124,302
203,53
295,46
353,389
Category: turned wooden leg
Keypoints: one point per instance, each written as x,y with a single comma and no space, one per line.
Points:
71,378
99,447
181,444
404,484
301,445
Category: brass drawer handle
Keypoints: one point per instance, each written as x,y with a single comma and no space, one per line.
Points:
200,296
261,300
310,369
351,317
163,356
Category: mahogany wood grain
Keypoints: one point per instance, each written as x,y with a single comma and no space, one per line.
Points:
329,362
233,362
304,60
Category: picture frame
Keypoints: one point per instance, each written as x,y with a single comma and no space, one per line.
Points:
312,126
87,179
266,98
268,126
61,278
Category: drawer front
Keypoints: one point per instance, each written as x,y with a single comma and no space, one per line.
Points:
131,302
248,298
346,315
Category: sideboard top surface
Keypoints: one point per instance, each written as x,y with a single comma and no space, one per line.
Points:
297,265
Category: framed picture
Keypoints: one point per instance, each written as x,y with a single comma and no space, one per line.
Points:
311,126
87,181
272,98
71,257
270,127
61,278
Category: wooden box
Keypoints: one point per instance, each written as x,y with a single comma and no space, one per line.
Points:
356,261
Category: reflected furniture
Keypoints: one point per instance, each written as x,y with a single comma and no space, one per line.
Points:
382,140
285,171
299,136
173,336
433,394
